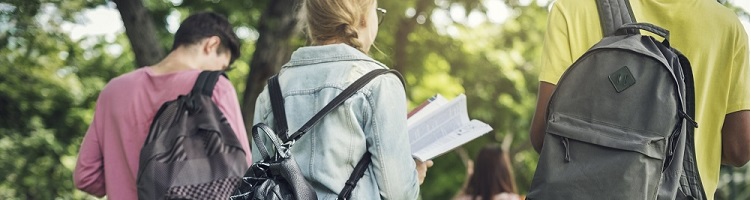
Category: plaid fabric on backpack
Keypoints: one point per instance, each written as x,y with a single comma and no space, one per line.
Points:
620,121
191,151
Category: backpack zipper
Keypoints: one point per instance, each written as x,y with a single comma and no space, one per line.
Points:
567,156
672,143
690,120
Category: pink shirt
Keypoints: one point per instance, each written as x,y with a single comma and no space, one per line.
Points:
108,158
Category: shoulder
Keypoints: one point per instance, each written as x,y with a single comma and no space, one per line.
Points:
223,86
463,197
723,20
565,3
574,6
573,17
360,68
224,94
718,11
127,78
507,196
123,82
721,16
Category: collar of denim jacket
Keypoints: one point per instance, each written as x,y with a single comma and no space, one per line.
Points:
328,53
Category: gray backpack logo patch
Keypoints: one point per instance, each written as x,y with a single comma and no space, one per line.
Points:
622,79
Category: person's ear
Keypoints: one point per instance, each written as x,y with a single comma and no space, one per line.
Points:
211,44
364,20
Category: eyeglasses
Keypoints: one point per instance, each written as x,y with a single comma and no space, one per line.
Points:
381,13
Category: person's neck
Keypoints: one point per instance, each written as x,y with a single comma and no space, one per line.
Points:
180,59
336,41
332,41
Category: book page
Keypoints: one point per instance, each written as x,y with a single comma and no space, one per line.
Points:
437,124
431,105
466,133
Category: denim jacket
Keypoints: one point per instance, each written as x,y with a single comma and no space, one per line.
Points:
374,119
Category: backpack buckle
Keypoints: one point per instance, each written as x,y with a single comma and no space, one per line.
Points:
284,149
287,145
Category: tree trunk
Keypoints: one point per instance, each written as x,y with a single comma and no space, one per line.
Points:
407,26
278,25
141,32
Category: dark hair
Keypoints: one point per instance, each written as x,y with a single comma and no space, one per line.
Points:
206,24
492,174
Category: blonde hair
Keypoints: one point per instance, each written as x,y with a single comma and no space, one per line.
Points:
335,20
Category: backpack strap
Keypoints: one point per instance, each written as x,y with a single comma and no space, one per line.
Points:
277,102
614,14
277,106
690,168
357,173
206,81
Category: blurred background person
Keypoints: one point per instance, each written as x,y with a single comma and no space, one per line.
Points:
490,176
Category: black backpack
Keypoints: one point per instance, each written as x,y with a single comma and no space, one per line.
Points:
620,121
278,176
191,151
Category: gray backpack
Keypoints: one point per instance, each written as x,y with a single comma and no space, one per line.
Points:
191,151
620,122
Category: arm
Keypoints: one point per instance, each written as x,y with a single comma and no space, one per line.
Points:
537,129
88,176
735,139
735,128
261,114
388,141
556,57
226,99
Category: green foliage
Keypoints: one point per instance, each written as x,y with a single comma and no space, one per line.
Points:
734,183
494,64
48,87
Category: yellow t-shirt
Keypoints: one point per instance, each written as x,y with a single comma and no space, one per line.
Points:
710,35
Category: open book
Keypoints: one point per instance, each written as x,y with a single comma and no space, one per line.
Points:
438,126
